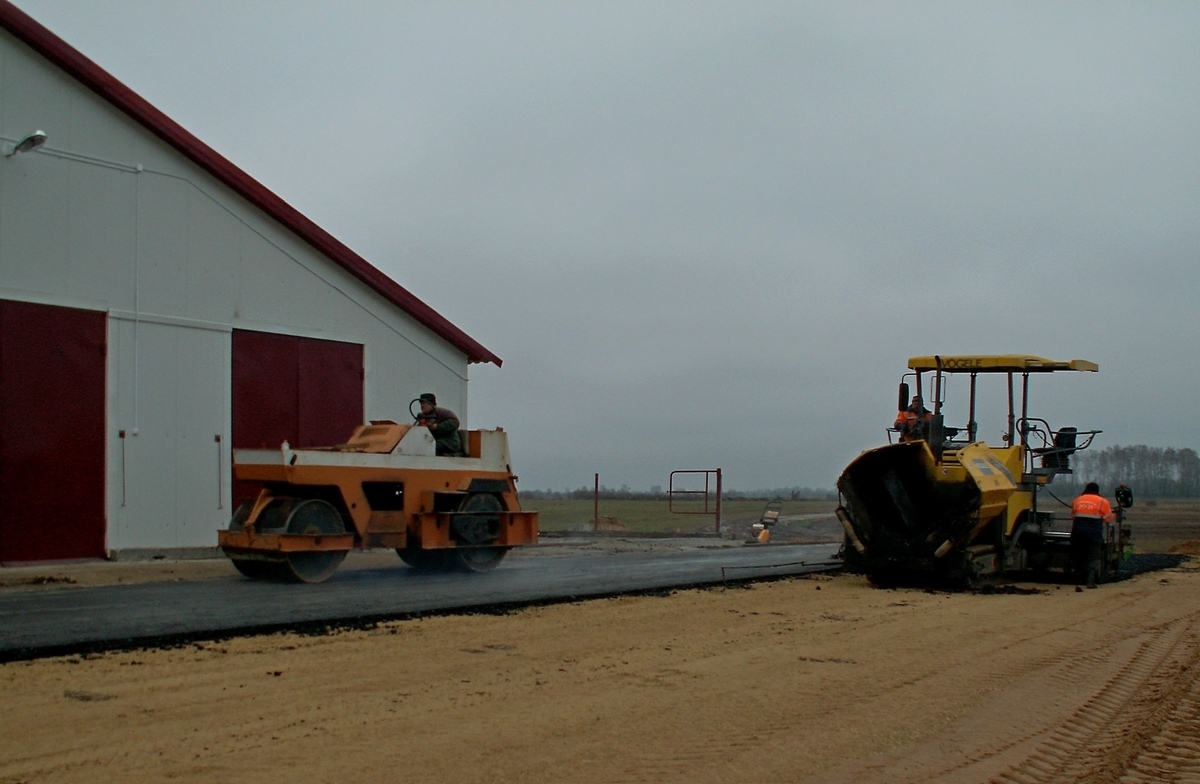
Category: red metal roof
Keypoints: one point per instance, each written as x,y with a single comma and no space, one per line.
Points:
99,81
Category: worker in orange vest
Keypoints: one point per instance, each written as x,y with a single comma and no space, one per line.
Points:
913,422
1090,513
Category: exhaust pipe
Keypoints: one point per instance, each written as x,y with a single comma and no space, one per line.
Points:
844,518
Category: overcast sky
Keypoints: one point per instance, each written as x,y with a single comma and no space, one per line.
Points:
709,235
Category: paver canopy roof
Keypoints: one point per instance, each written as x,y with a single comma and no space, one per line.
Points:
997,363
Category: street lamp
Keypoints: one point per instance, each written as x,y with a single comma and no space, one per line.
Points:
30,142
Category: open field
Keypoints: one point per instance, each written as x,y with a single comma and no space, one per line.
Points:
820,679
1157,525
1166,527
656,517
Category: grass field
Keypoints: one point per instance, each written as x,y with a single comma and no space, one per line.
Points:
1158,527
654,517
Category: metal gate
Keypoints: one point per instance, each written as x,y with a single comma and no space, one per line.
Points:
709,497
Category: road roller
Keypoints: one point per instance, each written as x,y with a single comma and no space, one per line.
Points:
385,487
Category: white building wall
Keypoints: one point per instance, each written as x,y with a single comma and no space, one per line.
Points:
107,217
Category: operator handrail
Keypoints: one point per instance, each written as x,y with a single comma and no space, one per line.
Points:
1056,445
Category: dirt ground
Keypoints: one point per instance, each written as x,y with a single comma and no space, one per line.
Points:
814,679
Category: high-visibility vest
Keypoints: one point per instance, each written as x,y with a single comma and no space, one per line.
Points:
908,423
1092,506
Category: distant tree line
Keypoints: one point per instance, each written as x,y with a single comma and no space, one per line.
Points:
657,493
784,493
1150,471
624,492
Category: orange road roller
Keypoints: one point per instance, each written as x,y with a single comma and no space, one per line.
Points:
384,488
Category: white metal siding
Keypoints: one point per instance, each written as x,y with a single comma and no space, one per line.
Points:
179,259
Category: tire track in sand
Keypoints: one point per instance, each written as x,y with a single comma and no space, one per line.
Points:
1130,722
1127,713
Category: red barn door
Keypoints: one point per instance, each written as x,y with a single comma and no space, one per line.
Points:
52,420
305,391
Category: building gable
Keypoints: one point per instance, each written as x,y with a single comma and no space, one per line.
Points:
80,68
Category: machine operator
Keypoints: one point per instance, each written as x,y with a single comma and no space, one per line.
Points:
442,423
913,422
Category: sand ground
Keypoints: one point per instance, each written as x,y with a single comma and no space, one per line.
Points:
815,679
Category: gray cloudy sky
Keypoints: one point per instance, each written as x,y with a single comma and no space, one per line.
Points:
708,234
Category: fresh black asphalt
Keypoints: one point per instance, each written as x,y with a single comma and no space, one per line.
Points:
64,621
